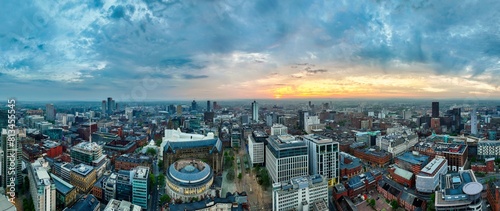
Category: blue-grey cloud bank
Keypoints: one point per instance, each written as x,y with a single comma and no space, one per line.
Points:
161,49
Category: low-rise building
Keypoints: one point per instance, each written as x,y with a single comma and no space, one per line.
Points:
349,166
459,191
88,203
488,149
130,161
427,179
373,157
114,205
65,192
402,176
456,154
493,195
411,161
487,166
300,193
83,178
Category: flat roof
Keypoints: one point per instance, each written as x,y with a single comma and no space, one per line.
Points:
431,167
285,142
61,185
414,158
82,169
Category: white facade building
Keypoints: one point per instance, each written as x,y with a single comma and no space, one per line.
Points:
398,140
312,123
300,193
279,129
323,157
487,149
428,178
43,190
256,150
286,158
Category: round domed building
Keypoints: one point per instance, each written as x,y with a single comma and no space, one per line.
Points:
188,178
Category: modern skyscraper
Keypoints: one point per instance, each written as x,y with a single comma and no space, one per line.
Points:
286,158
255,111
435,110
208,106
50,112
42,189
111,106
302,119
323,157
140,186
473,122
103,107
194,106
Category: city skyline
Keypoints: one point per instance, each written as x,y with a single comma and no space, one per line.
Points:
181,50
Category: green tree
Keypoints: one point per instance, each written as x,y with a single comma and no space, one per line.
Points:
151,151
158,142
394,204
152,179
160,165
240,176
230,174
430,203
161,180
371,202
165,198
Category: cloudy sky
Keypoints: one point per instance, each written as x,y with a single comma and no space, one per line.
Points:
238,49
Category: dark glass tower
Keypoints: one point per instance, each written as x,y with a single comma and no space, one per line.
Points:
435,109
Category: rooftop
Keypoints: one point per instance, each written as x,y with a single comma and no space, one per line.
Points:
348,161
318,139
285,142
87,146
61,185
414,158
432,166
141,172
87,202
300,183
116,205
189,171
403,173
457,187
82,169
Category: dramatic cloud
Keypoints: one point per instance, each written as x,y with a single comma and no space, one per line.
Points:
248,49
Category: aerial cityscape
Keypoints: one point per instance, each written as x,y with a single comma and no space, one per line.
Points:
313,105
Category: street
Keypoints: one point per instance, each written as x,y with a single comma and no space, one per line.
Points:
258,199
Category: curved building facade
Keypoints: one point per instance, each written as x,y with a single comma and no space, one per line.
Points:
188,178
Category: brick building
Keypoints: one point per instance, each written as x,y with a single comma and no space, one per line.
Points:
402,176
488,166
493,195
349,166
411,161
456,154
131,161
375,158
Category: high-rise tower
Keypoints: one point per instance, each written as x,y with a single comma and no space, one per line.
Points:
255,111
435,110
